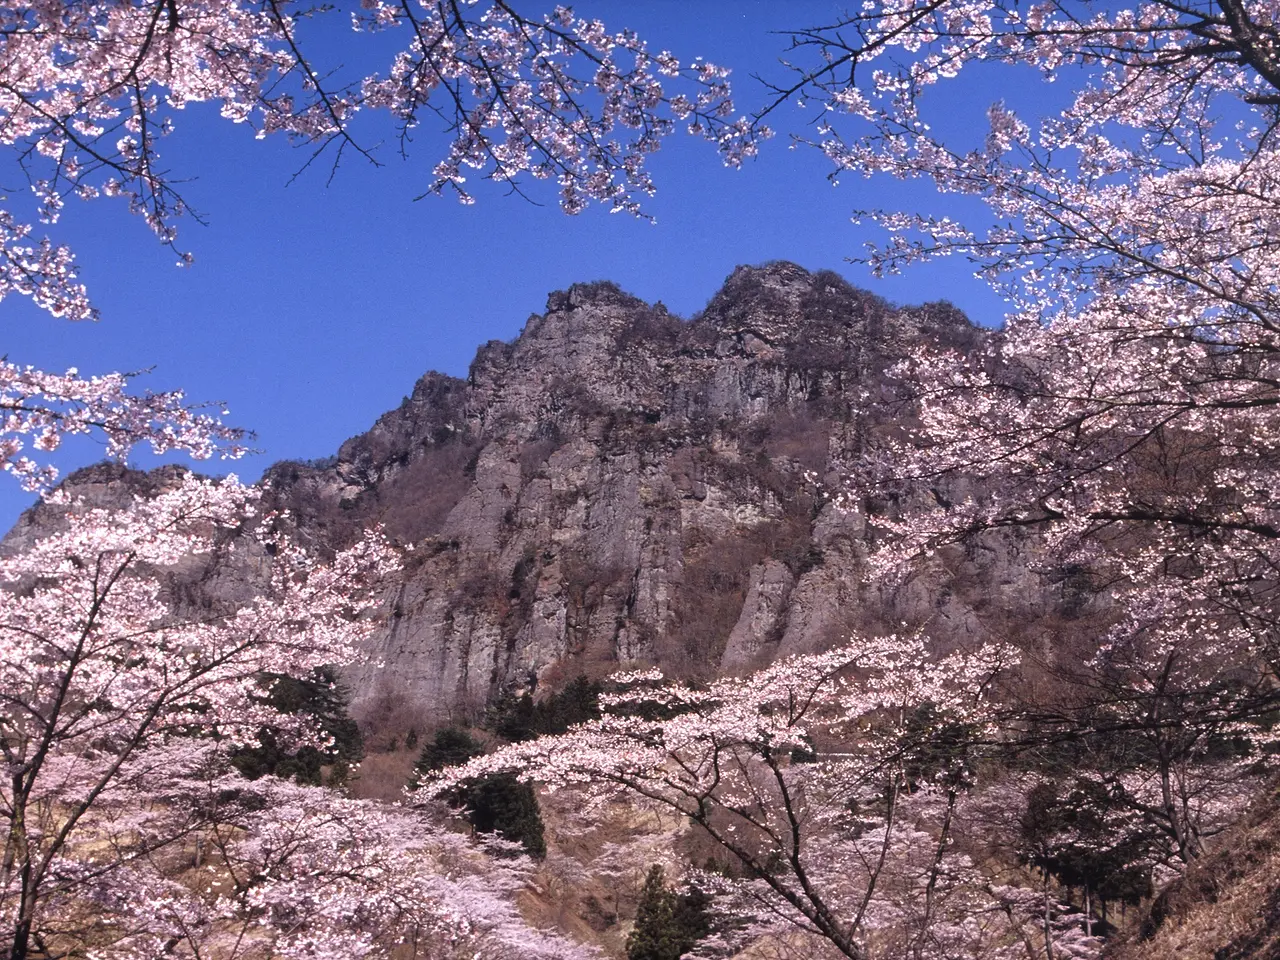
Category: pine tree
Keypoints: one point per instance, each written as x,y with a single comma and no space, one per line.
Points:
321,697
652,937
518,718
691,917
668,924
512,718
498,804
448,748
576,703
503,805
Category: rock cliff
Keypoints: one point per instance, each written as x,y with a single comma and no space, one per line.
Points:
619,485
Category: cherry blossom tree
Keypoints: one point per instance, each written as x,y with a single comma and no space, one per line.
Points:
1128,403
127,699
831,782
40,410
1125,415
123,704
298,872
94,87
111,685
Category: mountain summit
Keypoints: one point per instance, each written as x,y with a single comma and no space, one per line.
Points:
620,485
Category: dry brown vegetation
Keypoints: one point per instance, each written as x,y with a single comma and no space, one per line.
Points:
1227,905
382,776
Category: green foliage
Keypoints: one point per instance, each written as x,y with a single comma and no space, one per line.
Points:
498,804
511,718
520,718
1067,834
503,805
668,924
449,748
322,698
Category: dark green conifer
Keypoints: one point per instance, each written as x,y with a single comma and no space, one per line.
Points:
512,718
668,924
498,804
520,718
448,748
652,938
322,698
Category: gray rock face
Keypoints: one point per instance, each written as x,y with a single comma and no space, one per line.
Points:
618,485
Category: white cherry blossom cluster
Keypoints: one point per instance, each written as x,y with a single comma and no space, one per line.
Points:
92,87
556,97
299,873
111,688
1123,423
814,773
38,410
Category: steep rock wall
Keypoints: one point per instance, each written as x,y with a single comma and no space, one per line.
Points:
618,485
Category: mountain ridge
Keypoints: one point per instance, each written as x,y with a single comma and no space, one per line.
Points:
619,485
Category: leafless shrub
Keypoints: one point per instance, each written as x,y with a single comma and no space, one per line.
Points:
382,776
387,718
415,502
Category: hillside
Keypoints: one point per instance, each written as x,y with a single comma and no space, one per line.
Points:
618,485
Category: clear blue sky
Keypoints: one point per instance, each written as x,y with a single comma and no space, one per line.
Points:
313,307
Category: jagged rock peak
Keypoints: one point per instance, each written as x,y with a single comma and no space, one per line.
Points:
777,303
107,484
780,305
783,294
436,388
580,331
782,274
596,293
617,485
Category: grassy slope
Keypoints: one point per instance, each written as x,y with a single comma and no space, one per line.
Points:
1227,906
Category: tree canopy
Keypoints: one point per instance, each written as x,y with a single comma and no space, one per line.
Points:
1125,416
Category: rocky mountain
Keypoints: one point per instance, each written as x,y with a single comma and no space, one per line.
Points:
619,485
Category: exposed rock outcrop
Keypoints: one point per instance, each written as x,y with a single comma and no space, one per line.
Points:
620,485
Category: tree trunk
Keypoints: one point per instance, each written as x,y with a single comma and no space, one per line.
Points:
1048,926
21,938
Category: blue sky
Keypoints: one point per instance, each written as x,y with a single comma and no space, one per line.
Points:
313,306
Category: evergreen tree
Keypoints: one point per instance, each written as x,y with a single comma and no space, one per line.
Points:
651,938
520,718
691,916
498,804
576,703
503,805
668,925
1085,838
511,718
448,748
321,697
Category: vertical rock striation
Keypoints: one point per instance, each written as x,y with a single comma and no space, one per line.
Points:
618,485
